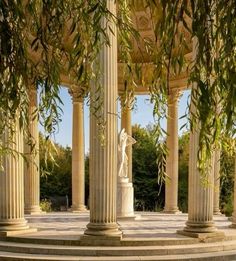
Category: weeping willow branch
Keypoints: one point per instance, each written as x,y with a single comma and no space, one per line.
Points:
212,23
41,40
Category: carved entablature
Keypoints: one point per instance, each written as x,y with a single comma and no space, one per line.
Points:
142,20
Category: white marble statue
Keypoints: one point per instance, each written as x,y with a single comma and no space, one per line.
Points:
125,140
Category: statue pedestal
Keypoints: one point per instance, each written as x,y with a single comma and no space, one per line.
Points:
125,199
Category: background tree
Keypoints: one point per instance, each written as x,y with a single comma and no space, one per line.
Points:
148,193
56,174
227,177
145,173
183,172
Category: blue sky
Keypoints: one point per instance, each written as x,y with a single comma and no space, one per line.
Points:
143,115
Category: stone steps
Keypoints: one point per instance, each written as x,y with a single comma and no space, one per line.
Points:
129,241
216,256
45,252
145,239
124,242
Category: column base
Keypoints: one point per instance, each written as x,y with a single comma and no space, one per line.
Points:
103,230
77,209
171,211
36,213
35,210
217,212
11,228
129,218
17,232
200,227
203,237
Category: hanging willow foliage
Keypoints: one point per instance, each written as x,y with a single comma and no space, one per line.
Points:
212,70
41,40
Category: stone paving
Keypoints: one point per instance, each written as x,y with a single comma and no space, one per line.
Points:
67,225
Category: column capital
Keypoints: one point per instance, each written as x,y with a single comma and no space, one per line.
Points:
76,93
127,101
174,96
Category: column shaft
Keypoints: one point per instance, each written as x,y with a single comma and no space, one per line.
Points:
200,196
103,141
216,168
12,186
171,186
32,175
78,178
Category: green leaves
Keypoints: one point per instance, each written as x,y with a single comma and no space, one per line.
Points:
40,41
212,70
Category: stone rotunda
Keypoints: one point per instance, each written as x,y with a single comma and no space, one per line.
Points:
27,237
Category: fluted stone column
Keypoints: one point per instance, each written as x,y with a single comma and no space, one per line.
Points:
216,168
103,143
171,185
32,175
234,212
200,196
126,123
12,219
78,174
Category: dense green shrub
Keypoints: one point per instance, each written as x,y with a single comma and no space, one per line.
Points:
46,205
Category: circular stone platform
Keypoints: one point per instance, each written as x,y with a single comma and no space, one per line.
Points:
152,237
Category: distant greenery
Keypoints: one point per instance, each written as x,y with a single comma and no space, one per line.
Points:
56,174
46,205
145,173
227,182
55,178
183,172
149,194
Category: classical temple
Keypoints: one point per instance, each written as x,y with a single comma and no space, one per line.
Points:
20,188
